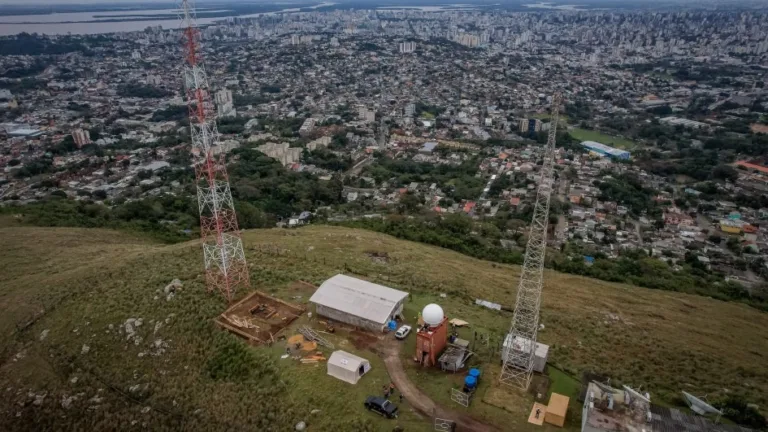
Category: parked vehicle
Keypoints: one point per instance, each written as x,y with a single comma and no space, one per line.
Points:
381,406
403,332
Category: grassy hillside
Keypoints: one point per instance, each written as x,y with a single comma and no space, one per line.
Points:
75,367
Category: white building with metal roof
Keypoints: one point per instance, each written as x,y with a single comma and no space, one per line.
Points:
357,302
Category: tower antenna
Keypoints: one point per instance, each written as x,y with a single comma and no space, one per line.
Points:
519,349
223,256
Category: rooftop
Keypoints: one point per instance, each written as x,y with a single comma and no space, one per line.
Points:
357,297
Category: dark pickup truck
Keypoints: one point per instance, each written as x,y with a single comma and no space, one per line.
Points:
381,406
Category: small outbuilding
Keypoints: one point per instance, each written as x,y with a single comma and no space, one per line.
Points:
557,409
347,367
540,352
357,302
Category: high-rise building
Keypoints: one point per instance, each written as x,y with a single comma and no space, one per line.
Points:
468,40
223,96
410,109
530,126
136,55
308,126
407,47
224,106
366,115
81,137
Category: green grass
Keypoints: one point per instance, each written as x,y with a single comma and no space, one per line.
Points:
89,280
563,383
312,387
591,135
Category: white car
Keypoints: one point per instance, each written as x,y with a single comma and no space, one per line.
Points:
403,332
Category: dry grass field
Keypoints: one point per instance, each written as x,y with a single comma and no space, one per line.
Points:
68,361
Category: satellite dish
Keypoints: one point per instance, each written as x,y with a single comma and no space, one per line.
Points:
699,406
636,394
432,314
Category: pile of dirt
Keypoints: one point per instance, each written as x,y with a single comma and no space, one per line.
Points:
298,342
378,257
362,340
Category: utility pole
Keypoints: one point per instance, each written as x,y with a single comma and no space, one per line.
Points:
520,344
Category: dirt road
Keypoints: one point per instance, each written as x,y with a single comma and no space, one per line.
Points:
390,352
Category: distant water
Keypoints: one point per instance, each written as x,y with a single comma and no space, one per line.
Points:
552,6
104,22
447,8
88,22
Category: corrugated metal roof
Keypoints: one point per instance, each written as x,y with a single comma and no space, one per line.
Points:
358,297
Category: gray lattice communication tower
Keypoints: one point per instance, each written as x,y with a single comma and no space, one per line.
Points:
520,343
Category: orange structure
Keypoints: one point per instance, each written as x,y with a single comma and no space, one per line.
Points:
430,342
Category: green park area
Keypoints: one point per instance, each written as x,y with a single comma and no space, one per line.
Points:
592,135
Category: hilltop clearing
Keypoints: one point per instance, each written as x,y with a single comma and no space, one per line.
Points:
93,342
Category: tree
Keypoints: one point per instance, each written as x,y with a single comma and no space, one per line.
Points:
733,244
249,216
725,172
409,202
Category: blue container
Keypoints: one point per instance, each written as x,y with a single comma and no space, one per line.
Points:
475,373
470,382
392,324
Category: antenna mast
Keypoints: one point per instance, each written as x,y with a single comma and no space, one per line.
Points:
223,257
520,343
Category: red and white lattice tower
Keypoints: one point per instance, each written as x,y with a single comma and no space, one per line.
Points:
225,266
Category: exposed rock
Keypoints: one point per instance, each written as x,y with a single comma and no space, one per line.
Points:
314,411
66,402
85,349
159,347
300,426
172,287
44,334
39,399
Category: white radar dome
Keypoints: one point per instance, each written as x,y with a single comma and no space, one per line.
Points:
432,314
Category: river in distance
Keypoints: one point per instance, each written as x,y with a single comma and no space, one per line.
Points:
109,21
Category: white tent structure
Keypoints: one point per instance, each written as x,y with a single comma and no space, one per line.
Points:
347,367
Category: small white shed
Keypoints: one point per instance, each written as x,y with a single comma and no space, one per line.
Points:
347,367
